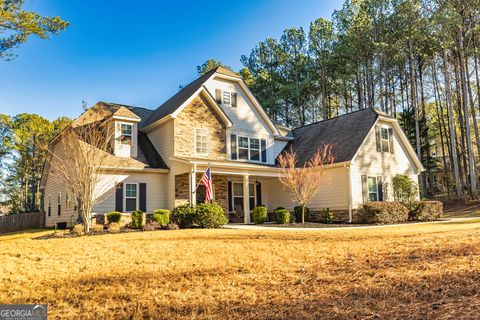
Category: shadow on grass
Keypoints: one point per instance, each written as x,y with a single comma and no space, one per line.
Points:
31,233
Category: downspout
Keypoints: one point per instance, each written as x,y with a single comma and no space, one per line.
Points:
350,213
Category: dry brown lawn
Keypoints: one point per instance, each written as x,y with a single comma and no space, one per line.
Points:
408,272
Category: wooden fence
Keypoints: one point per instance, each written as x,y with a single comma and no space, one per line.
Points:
21,221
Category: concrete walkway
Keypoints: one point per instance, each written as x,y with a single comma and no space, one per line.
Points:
346,227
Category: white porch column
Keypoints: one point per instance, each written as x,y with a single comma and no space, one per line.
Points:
246,199
193,185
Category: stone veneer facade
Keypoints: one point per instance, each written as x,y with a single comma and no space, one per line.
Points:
220,185
199,114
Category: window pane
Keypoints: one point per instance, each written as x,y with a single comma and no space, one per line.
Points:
243,154
238,189
252,203
385,145
372,197
372,184
254,144
255,155
251,189
385,133
126,128
130,204
226,97
242,142
201,138
238,204
130,190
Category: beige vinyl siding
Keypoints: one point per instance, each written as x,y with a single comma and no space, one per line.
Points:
157,190
68,215
370,162
162,138
333,192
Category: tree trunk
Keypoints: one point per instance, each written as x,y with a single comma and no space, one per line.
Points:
451,124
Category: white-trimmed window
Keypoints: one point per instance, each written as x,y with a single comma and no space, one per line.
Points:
131,197
385,140
201,141
372,189
248,148
126,130
226,98
237,195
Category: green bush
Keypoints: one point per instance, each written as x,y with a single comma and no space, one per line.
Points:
210,215
114,216
426,211
259,214
382,212
298,214
162,216
183,216
405,189
328,215
137,219
282,216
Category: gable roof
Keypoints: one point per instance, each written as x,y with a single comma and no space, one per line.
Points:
172,104
346,133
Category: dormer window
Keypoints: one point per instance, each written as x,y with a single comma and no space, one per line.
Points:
126,130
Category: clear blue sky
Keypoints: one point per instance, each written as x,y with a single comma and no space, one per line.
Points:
138,52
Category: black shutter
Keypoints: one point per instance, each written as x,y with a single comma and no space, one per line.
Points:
143,197
218,96
259,193
119,197
390,139
263,143
364,189
234,99
378,138
230,200
380,188
233,146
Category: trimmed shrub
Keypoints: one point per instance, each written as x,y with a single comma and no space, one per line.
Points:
383,212
298,214
114,227
282,216
259,214
114,216
97,227
162,216
210,215
171,226
426,211
137,219
183,216
78,230
151,226
328,216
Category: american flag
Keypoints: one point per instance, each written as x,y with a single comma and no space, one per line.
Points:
207,182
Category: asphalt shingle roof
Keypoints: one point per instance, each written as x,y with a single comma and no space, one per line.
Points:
346,133
172,104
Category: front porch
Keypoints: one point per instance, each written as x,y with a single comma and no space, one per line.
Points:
235,187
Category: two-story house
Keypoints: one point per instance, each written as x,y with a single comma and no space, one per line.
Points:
216,121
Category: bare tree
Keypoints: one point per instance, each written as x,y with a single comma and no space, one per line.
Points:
79,159
302,182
